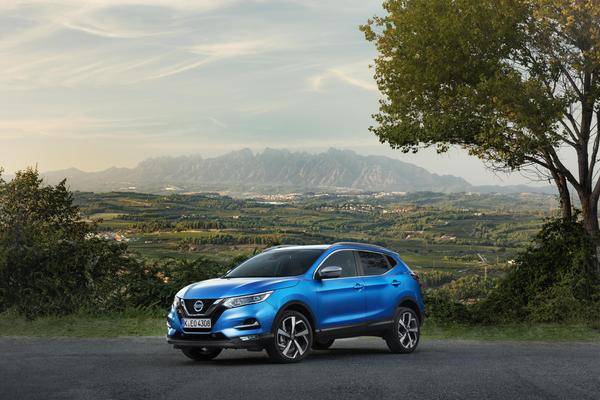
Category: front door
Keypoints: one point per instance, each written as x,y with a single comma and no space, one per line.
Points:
341,301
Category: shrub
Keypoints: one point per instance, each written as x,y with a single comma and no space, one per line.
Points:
470,288
433,279
554,280
153,284
441,307
48,264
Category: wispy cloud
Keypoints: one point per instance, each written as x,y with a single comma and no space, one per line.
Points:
89,127
355,74
96,43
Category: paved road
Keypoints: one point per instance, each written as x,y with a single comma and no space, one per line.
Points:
147,368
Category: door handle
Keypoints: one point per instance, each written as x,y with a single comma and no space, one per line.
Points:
359,286
396,283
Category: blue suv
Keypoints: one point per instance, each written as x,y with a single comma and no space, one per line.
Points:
291,299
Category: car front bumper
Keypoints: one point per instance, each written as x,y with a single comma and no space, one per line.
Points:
242,342
225,331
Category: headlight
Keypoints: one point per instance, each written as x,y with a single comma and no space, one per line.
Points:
176,302
233,302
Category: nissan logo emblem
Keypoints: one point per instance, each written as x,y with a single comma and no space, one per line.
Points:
198,305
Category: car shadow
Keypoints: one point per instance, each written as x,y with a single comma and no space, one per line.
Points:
241,358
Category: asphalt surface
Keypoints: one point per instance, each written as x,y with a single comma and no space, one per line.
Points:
148,368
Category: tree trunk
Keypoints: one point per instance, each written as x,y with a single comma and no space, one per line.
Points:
589,213
563,195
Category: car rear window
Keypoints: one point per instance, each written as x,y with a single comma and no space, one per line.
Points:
392,261
373,263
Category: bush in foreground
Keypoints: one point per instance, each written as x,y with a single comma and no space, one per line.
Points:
555,280
48,263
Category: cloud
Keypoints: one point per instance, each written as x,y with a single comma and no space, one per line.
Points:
110,42
90,127
215,52
355,74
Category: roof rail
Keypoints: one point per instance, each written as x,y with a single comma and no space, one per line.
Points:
281,246
362,244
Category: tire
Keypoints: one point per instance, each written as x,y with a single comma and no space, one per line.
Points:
292,338
405,333
201,353
322,344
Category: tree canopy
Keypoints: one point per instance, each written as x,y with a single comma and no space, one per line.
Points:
515,82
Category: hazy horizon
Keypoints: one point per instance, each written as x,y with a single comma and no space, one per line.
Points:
98,84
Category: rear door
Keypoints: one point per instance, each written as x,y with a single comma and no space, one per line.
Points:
382,290
341,300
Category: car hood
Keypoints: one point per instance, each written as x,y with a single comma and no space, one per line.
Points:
227,287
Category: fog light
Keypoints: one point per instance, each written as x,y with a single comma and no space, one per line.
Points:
249,323
249,337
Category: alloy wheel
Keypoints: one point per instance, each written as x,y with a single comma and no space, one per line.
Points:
408,330
293,337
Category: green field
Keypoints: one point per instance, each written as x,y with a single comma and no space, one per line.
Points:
431,231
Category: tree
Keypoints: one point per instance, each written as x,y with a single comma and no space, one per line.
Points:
48,262
515,82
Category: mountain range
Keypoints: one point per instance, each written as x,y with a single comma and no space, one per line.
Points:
274,171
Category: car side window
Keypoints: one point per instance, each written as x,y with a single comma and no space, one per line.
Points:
391,261
343,259
373,263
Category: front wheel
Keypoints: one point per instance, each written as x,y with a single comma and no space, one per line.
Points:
292,338
201,353
405,333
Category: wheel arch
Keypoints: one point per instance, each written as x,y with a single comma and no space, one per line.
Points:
301,307
411,303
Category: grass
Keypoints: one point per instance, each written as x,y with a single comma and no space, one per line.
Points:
572,332
133,323
84,325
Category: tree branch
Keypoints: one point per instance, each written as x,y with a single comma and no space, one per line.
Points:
574,142
570,79
561,167
573,123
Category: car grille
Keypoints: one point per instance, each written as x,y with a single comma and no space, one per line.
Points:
214,314
189,306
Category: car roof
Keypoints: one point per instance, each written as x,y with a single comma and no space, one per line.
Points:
354,245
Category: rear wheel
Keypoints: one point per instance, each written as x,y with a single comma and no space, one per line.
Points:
405,333
322,344
201,353
292,338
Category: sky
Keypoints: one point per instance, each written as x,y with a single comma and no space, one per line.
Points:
100,83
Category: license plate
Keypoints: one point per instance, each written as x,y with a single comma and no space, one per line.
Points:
196,323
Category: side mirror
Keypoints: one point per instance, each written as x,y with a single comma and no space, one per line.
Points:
329,272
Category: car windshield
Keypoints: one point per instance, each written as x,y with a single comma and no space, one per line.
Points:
277,263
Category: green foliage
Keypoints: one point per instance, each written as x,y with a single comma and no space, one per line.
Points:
441,307
484,74
51,262
555,279
499,78
454,301
154,284
433,279
47,265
